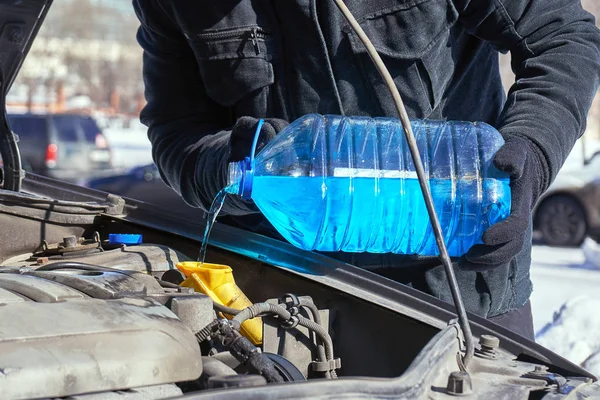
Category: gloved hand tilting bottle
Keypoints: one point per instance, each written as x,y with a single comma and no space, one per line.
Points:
239,147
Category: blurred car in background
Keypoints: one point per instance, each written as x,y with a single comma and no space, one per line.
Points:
68,147
144,183
570,209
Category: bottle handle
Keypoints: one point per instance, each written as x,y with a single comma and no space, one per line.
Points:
255,141
248,166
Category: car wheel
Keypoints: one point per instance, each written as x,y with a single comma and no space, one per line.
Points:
561,221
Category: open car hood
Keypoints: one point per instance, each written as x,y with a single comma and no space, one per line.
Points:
19,25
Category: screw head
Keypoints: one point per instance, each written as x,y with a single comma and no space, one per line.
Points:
489,341
459,383
16,35
70,241
540,369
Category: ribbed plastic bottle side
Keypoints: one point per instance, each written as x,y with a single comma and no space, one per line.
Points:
373,198
454,179
333,183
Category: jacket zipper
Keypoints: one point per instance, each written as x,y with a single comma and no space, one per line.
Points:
253,34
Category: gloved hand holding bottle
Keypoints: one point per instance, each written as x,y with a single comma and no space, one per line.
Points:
522,160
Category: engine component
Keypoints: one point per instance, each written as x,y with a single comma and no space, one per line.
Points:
150,258
297,345
70,327
242,349
214,367
487,347
288,315
72,244
459,384
286,369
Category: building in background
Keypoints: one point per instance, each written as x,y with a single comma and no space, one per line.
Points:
85,57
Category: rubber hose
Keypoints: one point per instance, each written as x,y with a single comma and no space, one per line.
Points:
168,285
226,310
313,309
320,331
262,308
258,309
248,354
309,305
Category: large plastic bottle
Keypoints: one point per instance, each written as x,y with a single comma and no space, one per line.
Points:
334,183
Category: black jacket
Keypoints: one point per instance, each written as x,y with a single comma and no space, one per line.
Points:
207,63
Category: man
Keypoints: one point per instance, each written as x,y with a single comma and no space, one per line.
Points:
211,68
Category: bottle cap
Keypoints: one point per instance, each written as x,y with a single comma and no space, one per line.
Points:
124,238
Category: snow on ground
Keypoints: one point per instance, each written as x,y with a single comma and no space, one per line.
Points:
558,275
574,333
566,302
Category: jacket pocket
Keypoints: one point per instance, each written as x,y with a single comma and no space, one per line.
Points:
236,66
407,35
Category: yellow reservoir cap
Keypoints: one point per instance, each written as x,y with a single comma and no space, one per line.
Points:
216,281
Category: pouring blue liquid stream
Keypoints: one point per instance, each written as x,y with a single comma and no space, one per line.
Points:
217,204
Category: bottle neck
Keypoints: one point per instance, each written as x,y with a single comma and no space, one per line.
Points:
239,178
234,177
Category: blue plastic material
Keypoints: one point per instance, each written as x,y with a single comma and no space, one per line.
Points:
334,183
245,186
124,238
247,166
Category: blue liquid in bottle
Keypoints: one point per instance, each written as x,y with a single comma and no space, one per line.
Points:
332,183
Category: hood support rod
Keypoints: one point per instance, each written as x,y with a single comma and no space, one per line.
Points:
423,180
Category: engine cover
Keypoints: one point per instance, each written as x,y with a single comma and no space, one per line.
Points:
67,332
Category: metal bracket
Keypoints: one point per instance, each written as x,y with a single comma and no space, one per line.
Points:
330,365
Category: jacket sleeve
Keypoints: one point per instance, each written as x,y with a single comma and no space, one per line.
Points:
555,53
189,133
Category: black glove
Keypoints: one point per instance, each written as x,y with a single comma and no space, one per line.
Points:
242,135
524,162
